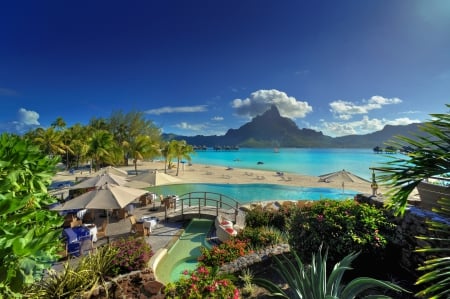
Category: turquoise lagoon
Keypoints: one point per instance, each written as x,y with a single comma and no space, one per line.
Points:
308,161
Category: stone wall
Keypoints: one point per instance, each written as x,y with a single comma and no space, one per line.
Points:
409,226
254,259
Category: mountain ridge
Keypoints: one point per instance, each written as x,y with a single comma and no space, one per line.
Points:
270,129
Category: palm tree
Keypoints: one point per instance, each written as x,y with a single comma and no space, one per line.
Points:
142,147
165,152
100,145
78,142
180,150
49,141
311,282
60,125
428,155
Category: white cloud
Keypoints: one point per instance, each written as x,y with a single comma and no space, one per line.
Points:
182,109
217,118
261,100
345,110
26,120
192,127
358,127
28,117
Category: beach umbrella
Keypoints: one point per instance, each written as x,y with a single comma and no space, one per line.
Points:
108,196
114,171
100,180
153,178
343,176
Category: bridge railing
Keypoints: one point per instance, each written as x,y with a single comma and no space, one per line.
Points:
204,202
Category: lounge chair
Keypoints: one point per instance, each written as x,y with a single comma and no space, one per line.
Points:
140,230
101,232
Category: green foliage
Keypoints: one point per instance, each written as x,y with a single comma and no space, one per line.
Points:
204,282
311,281
342,226
72,281
260,237
29,238
259,217
428,156
224,253
132,254
247,279
437,267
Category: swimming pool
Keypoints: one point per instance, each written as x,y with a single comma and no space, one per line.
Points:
247,193
183,254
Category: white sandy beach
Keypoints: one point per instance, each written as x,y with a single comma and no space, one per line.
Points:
200,173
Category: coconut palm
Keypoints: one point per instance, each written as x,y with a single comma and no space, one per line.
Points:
142,147
180,149
49,141
100,145
428,155
311,281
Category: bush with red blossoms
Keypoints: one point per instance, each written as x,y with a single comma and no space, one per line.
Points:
133,254
224,253
204,282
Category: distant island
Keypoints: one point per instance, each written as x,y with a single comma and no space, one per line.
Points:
270,129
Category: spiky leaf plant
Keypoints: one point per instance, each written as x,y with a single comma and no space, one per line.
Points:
429,155
312,282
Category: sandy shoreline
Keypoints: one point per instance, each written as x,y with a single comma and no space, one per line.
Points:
200,173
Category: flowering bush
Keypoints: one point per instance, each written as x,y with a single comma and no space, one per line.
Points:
224,253
261,237
202,283
342,227
258,217
133,254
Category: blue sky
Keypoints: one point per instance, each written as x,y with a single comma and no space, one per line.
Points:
202,67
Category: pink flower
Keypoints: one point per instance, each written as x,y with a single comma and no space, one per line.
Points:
320,217
185,272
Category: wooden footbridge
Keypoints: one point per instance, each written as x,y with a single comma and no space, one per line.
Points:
201,205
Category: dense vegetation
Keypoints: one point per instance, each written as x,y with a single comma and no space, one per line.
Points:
108,141
28,232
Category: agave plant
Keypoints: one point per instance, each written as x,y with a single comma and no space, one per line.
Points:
311,281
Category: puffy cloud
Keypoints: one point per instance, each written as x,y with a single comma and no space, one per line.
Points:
345,110
261,100
28,117
26,120
182,109
217,118
192,127
363,126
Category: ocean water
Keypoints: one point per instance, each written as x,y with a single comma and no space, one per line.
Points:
308,161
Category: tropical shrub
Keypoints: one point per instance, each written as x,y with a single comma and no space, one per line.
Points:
74,280
204,282
260,237
428,156
132,254
224,252
29,234
311,281
342,226
259,216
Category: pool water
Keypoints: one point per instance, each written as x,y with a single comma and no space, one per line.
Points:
183,254
247,193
